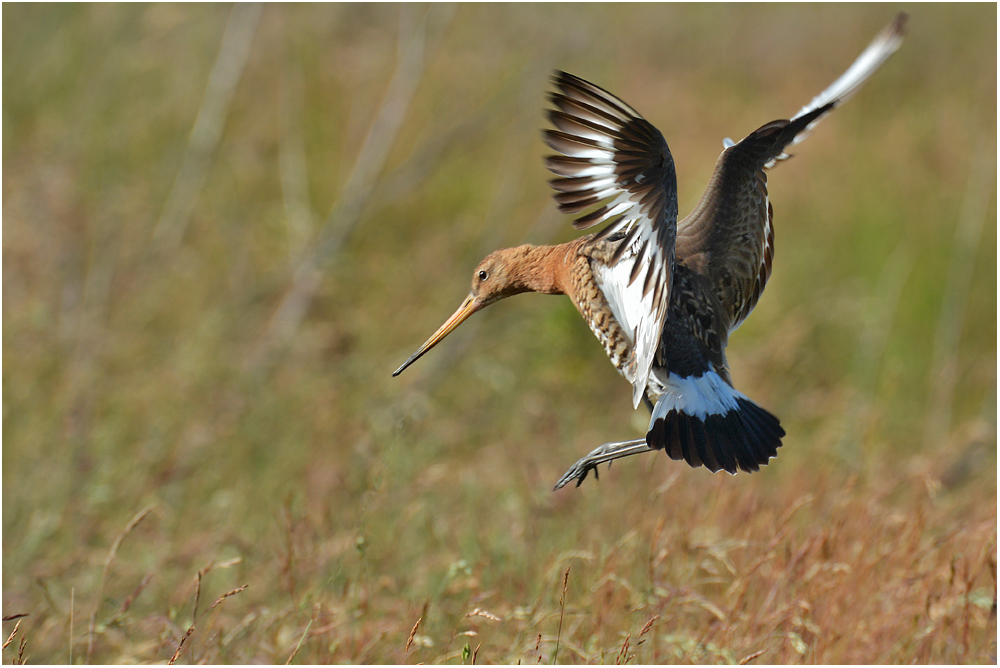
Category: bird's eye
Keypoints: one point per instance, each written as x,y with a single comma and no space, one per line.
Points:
483,275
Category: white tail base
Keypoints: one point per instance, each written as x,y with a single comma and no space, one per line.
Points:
697,396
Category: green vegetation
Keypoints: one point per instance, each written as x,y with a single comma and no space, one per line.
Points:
199,329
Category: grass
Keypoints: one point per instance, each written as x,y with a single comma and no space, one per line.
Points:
205,457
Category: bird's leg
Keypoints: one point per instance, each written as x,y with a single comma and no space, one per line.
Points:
605,453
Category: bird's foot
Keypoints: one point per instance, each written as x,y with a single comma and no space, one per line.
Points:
578,472
605,453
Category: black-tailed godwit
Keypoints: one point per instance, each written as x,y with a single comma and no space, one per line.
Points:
662,296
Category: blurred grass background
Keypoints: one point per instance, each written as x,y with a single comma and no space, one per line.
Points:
224,228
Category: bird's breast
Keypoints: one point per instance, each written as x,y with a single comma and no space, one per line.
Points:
593,305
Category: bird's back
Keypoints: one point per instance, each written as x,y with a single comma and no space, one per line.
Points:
695,334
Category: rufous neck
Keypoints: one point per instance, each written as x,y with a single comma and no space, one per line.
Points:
540,268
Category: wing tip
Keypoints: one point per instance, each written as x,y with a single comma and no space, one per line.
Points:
897,28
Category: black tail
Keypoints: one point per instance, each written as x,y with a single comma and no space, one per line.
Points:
742,436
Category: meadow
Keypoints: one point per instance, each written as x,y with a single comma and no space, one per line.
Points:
224,228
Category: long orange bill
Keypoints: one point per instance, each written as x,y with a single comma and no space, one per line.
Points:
468,307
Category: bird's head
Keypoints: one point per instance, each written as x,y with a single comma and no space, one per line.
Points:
500,274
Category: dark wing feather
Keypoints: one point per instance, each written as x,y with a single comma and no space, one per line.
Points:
616,168
729,236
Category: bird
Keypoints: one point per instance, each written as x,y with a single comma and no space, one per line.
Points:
662,296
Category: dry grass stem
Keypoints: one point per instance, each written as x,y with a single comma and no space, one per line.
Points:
226,73
197,591
180,645
479,612
227,595
112,553
130,599
72,606
13,633
133,523
413,633
298,645
359,185
623,658
293,166
562,612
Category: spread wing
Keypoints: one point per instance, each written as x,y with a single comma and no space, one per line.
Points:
617,167
729,235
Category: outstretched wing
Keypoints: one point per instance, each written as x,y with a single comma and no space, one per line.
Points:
884,45
729,235
617,167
